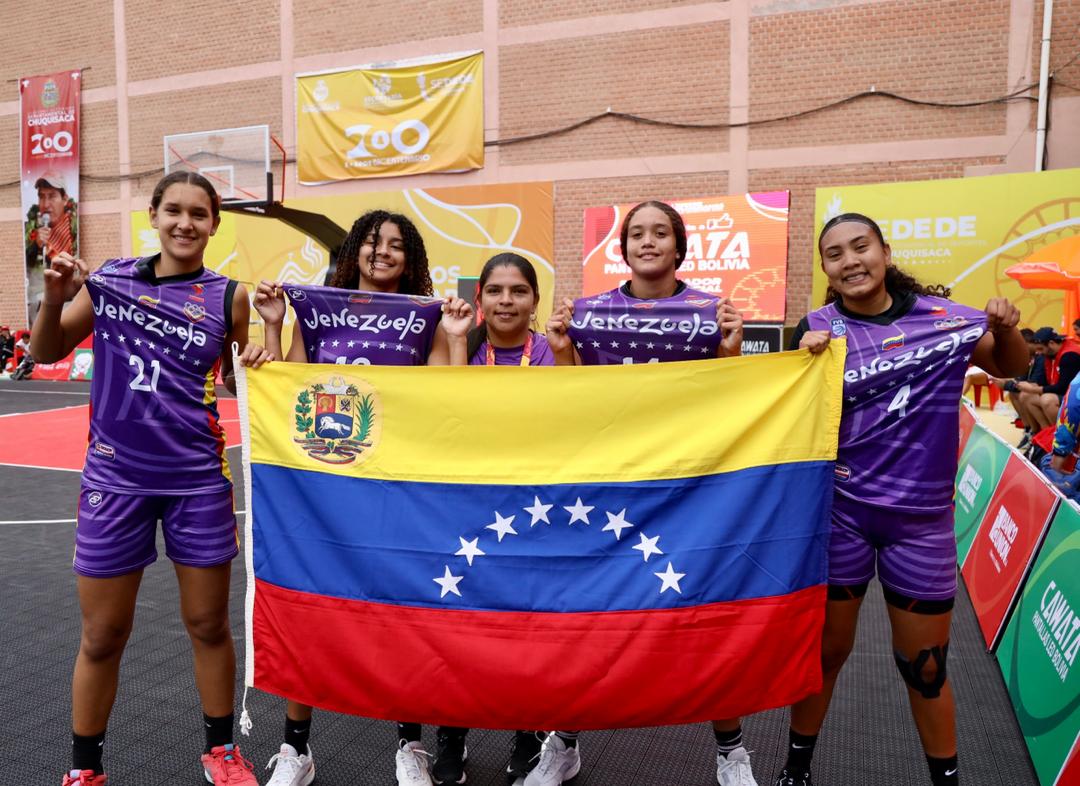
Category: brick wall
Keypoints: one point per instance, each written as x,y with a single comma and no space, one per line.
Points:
513,13
938,50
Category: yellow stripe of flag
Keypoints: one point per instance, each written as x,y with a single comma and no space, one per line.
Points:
548,425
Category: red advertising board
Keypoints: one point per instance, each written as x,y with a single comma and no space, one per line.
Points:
736,247
49,174
1011,531
1070,772
79,365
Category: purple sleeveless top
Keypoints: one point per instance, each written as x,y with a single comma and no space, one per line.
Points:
902,384
614,327
511,356
154,421
364,328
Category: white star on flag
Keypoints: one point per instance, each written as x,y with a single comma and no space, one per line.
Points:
502,525
670,580
616,522
578,511
538,511
448,581
648,546
469,549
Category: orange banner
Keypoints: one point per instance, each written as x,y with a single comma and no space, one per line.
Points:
736,246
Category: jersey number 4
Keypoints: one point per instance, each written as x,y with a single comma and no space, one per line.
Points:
900,401
140,383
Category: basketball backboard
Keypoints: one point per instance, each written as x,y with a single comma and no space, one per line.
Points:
235,160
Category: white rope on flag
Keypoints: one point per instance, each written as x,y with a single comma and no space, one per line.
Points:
249,565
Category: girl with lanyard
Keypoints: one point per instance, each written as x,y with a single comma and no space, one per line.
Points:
162,325
507,296
908,349
653,241
383,252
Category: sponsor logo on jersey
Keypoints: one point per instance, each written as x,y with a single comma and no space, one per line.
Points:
337,421
643,305
194,312
422,300
839,327
951,323
198,289
893,342
97,279
296,294
939,311
842,473
149,302
700,302
94,498
105,451
361,299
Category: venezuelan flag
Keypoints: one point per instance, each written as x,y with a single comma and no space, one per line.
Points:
578,548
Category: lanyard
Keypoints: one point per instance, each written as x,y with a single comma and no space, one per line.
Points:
526,351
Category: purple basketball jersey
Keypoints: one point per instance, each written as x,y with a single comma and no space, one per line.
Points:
902,384
154,421
511,356
613,327
364,328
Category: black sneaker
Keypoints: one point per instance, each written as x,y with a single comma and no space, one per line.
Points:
796,778
524,754
450,756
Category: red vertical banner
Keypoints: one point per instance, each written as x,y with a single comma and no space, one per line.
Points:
1011,531
49,174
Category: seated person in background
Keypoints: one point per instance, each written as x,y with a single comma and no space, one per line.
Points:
1036,373
1060,464
7,346
26,364
1061,361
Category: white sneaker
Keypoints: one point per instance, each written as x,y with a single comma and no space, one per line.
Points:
411,765
557,763
734,769
292,768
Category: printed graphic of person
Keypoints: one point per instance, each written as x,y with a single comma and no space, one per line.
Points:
52,227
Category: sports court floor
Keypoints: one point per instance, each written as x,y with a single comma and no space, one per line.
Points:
155,736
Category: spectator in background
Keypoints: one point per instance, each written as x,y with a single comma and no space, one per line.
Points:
1059,465
7,346
1076,329
26,365
1061,361
1036,373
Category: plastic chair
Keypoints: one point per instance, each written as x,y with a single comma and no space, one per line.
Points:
995,394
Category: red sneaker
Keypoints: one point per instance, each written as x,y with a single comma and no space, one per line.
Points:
84,778
224,766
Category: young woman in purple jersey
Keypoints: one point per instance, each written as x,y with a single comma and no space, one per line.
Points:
507,296
161,326
908,349
653,241
383,252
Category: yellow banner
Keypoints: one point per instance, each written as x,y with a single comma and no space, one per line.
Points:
462,228
967,232
398,119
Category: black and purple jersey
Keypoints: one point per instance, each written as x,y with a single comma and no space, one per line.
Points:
902,382
616,327
364,328
154,421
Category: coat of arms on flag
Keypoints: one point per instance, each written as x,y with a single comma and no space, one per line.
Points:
335,422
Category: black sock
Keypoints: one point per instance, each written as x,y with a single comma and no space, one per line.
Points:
800,752
408,732
727,741
568,737
943,772
218,731
86,752
297,733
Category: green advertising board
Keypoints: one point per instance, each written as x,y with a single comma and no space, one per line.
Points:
977,476
1038,653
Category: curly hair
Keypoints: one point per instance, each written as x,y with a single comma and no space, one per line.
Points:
896,280
415,279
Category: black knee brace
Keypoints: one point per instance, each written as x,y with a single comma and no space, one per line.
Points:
911,671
